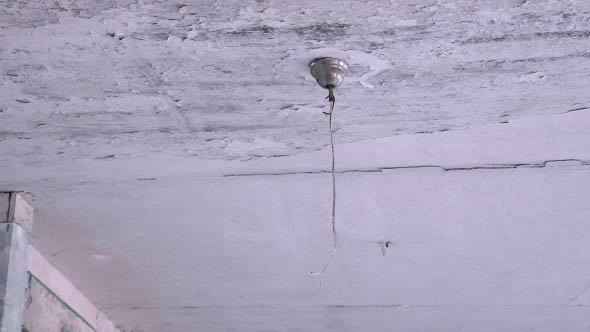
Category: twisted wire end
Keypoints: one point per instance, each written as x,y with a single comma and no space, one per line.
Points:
331,97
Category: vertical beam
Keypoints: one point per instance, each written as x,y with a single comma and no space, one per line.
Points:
16,220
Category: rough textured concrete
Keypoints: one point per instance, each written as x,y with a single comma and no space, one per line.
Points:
150,133
55,303
50,309
228,79
47,313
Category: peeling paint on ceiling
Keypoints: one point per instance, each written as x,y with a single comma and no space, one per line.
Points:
227,80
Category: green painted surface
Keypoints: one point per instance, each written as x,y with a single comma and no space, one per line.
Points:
13,276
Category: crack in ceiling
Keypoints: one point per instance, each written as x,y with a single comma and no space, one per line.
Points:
541,164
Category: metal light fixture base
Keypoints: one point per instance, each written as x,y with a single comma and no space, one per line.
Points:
328,72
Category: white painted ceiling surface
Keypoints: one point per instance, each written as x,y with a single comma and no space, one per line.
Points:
177,152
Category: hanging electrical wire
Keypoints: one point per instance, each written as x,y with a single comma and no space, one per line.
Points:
332,101
329,73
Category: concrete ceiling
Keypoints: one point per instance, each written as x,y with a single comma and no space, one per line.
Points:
177,152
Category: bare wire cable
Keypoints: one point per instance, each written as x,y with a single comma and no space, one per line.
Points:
320,273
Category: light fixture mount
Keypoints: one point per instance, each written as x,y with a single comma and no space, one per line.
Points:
328,72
